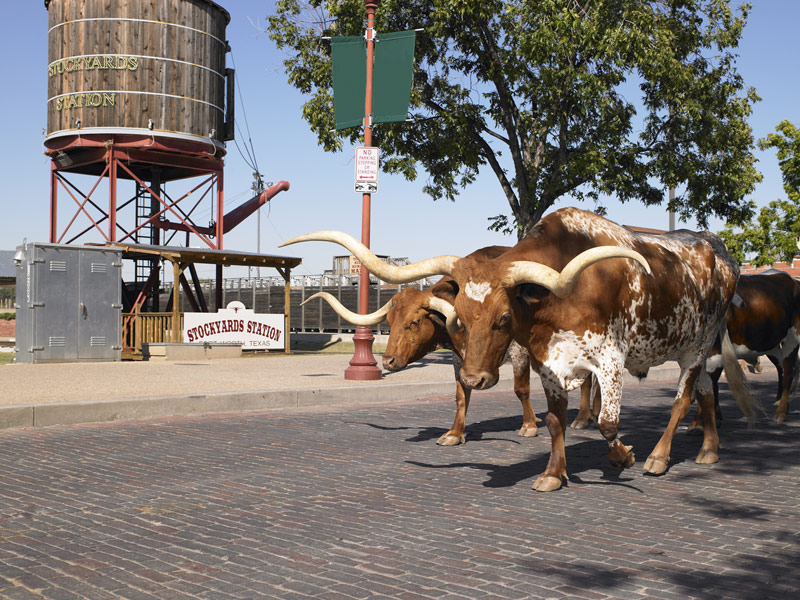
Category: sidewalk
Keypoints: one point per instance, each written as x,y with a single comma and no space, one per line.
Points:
58,394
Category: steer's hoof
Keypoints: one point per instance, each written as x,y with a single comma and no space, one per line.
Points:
449,439
580,424
528,430
621,456
655,465
706,457
779,417
547,483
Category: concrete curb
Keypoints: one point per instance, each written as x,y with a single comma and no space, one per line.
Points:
43,415
46,414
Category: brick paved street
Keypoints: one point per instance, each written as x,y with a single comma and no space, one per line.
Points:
359,502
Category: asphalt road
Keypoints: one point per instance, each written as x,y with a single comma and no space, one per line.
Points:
357,501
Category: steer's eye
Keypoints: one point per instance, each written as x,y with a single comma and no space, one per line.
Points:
413,324
502,320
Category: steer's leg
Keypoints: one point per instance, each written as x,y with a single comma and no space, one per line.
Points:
790,365
556,421
587,412
657,461
522,388
697,421
609,380
709,452
456,435
779,367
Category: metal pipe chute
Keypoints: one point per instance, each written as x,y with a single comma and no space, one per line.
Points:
234,217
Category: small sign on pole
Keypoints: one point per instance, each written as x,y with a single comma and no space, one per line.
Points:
366,169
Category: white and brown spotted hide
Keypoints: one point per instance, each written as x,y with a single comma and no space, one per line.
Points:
616,316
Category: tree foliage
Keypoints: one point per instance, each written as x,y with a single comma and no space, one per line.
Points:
773,234
557,97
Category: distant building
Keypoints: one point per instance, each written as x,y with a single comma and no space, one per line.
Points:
348,265
8,271
792,269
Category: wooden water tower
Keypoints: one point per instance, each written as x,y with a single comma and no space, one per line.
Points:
138,97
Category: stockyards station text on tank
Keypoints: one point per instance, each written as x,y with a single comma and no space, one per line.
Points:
235,325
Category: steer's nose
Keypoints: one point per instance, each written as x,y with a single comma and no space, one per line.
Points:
392,363
480,380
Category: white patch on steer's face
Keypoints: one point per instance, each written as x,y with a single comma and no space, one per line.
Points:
477,291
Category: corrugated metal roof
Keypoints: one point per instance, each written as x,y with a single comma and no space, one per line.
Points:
7,268
206,255
8,271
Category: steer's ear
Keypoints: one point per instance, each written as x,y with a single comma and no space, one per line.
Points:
446,290
437,318
530,293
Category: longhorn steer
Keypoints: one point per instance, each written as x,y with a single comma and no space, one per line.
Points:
767,321
417,326
564,294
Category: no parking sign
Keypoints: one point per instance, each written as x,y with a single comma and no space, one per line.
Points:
366,169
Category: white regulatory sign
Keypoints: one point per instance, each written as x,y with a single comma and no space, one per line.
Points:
366,169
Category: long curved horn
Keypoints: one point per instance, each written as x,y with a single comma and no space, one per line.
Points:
444,307
354,318
561,284
439,265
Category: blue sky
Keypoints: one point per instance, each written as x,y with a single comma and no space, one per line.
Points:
405,222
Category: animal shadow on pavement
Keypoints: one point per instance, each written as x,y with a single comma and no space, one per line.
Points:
760,447
586,455
473,431
432,359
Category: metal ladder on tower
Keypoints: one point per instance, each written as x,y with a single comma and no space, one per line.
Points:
144,235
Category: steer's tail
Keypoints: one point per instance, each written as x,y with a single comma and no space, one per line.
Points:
737,381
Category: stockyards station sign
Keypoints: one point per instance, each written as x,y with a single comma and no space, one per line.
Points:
235,324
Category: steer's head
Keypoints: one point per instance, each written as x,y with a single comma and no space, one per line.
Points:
417,323
506,298
485,317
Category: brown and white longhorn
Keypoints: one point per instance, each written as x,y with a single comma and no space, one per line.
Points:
586,296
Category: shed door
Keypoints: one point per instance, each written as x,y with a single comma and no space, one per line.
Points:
55,299
98,307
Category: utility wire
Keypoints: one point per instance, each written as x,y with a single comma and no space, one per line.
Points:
251,153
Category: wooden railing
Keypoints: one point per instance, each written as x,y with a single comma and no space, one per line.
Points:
147,328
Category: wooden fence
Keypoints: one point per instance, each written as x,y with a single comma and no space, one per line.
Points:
147,328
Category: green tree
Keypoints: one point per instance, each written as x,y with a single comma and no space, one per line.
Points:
773,235
556,97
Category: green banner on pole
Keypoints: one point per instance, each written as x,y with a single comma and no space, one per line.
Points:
394,68
349,57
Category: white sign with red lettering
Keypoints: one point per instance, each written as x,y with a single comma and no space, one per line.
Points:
235,324
367,169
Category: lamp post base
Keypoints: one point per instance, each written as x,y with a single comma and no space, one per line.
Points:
363,366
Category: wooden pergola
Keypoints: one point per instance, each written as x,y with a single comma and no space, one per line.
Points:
183,259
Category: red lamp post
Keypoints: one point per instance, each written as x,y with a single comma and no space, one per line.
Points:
363,365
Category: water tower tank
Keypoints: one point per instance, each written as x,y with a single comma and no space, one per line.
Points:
139,68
